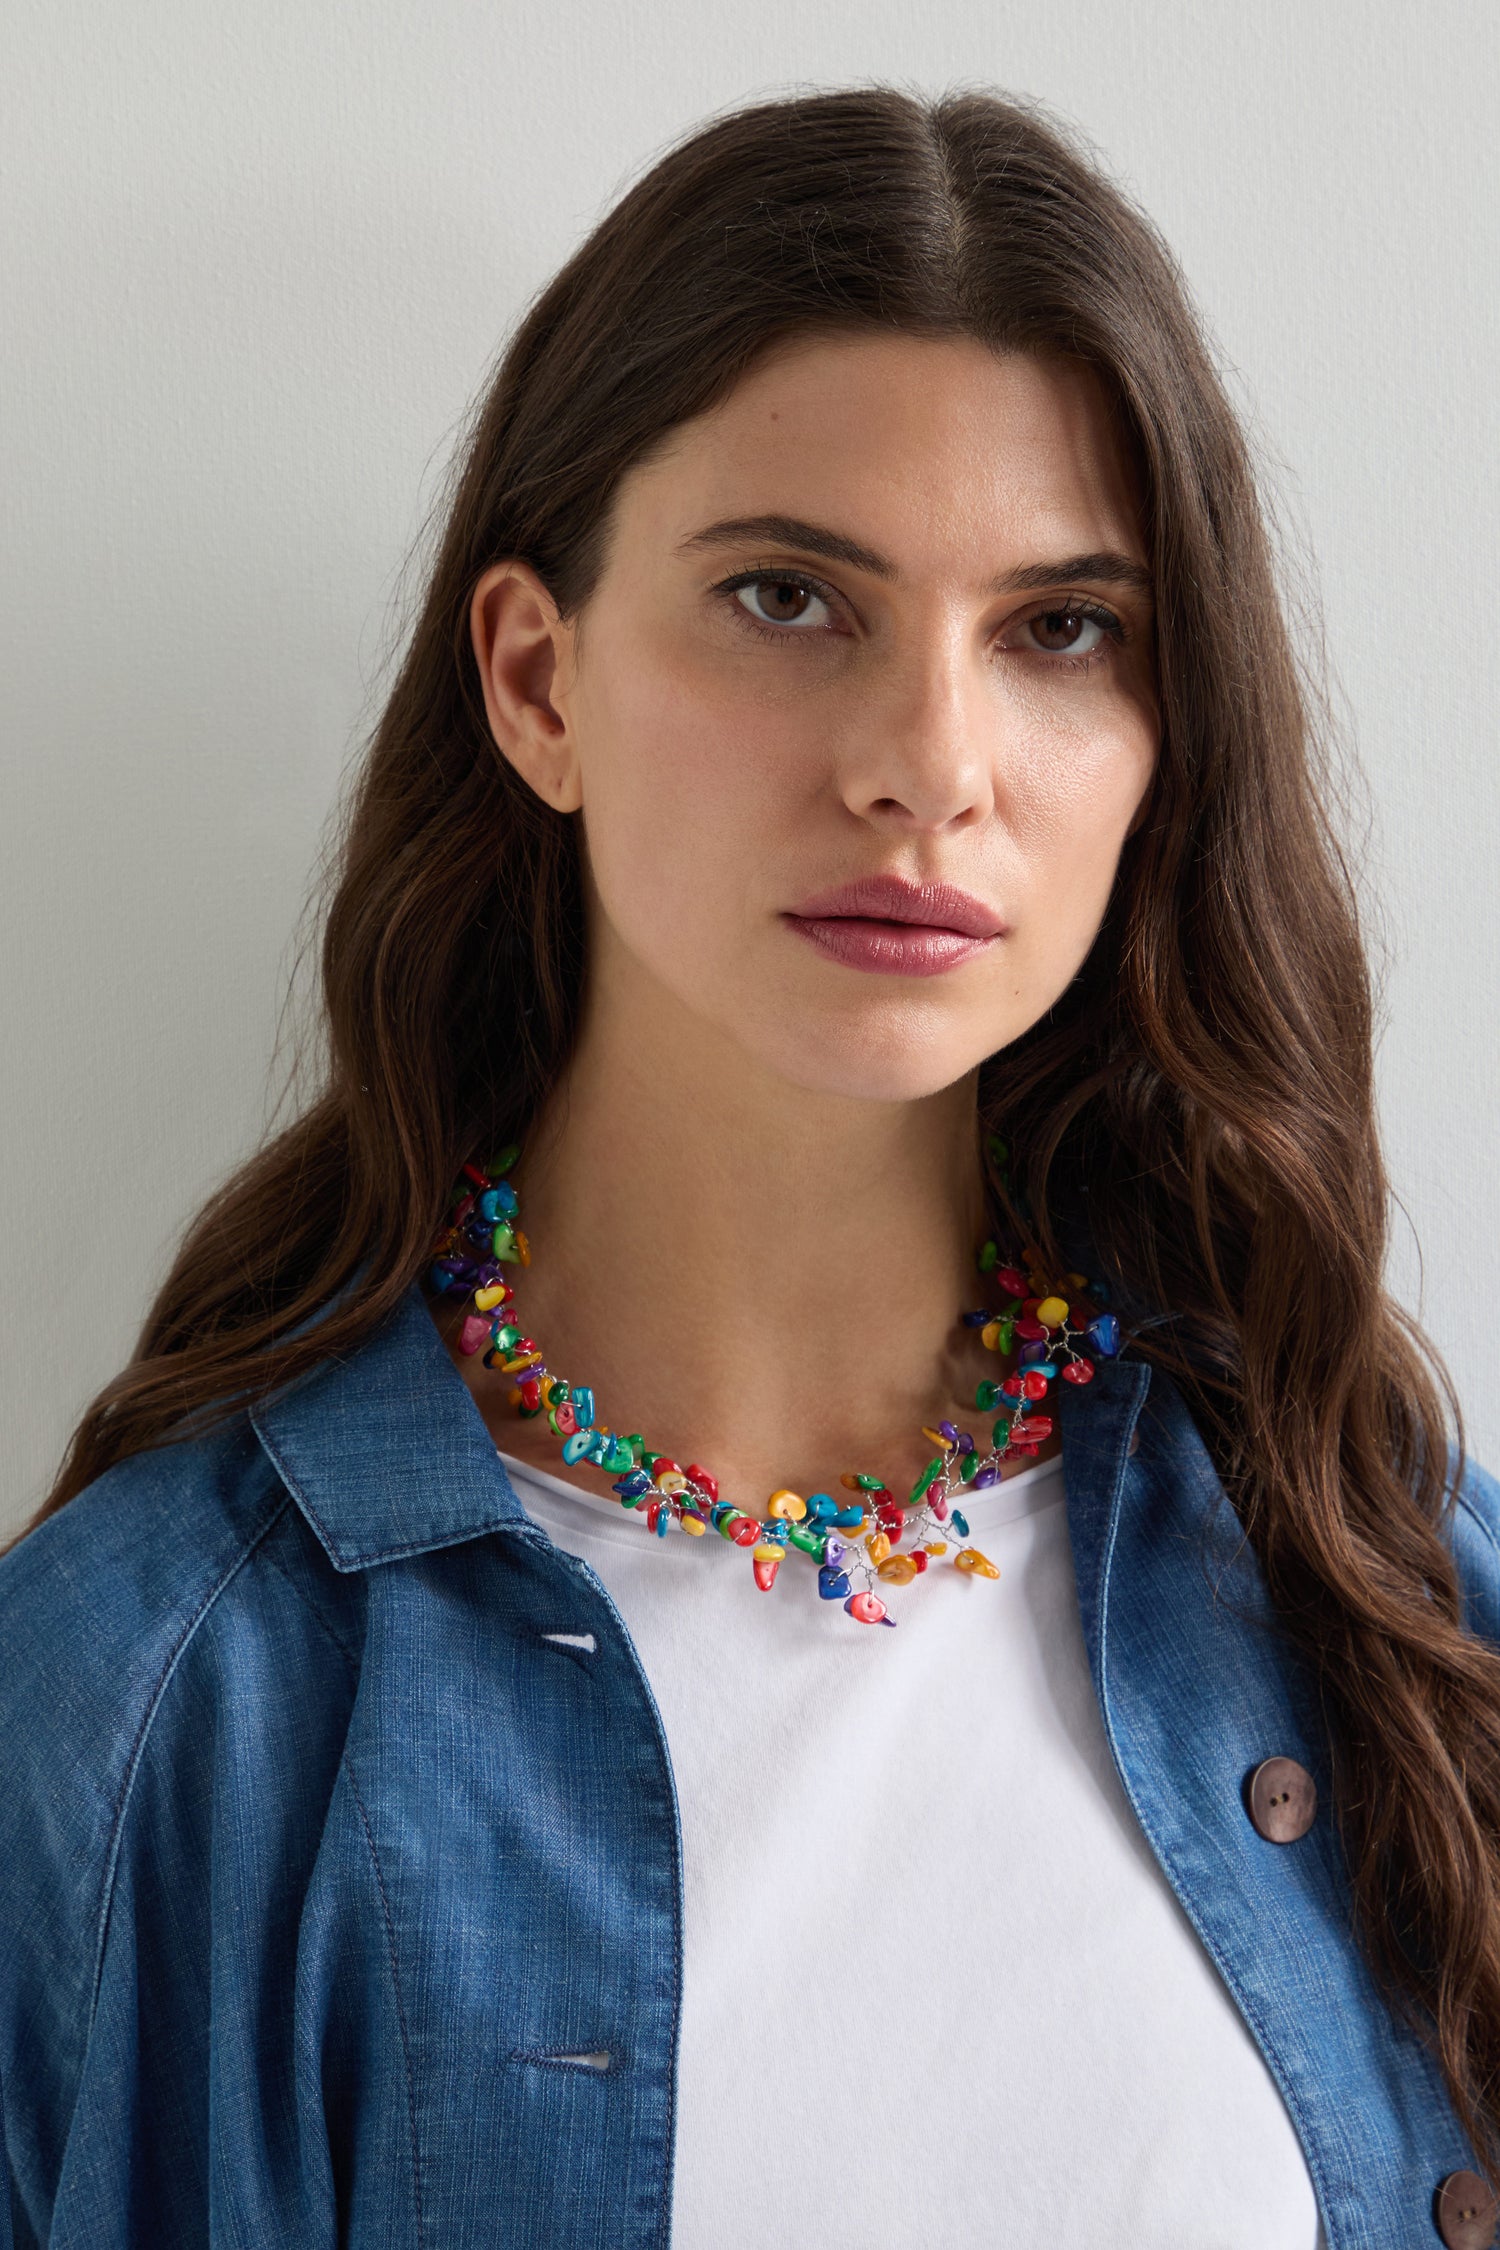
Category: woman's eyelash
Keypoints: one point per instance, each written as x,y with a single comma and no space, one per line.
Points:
1094,613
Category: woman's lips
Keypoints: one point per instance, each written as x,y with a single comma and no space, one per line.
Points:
895,949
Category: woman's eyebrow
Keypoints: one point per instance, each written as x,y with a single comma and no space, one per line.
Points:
1104,567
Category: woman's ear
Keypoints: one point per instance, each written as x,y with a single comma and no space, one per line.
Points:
524,651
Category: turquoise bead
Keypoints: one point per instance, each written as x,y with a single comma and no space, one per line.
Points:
575,1447
583,1407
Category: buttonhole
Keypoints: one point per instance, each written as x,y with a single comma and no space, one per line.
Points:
573,1640
597,2058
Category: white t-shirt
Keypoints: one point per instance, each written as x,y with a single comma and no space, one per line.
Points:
937,1991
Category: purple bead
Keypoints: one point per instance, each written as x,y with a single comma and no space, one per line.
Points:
965,1442
977,1319
950,1431
1031,1355
460,1268
986,1476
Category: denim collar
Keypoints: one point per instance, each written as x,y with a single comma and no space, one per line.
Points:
385,1452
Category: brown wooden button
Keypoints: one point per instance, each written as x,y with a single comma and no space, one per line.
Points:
1466,2211
1282,1799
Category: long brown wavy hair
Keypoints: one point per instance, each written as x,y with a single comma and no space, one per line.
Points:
1210,1070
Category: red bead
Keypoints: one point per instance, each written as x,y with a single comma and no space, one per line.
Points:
653,1512
745,1532
765,1574
1007,1278
463,1210
567,1420
531,1393
1013,1387
472,1172
1033,1386
1078,1371
1030,1331
697,1475
1035,1428
919,1558
665,1464
1028,1307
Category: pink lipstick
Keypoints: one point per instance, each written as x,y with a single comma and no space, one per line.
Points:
894,928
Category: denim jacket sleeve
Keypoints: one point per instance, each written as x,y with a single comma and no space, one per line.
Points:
176,1697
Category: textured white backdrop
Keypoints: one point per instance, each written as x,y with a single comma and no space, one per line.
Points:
254,263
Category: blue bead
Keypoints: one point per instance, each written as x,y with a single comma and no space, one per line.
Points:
960,1523
663,1520
574,1447
821,1507
583,1407
977,1319
597,1443
833,1585
1104,1334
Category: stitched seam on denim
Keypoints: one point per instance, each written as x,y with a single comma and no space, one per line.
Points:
542,2059
390,1938
1289,2094
137,1751
349,1655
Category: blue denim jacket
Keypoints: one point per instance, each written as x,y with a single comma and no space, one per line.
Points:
343,1906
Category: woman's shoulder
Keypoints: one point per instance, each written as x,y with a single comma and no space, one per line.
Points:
1474,1533
180,1582
95,1602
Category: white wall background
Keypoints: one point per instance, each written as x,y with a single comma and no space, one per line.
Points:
254,263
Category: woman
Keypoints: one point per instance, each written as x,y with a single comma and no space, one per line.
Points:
847,1032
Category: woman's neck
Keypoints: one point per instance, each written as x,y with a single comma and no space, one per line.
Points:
754,1276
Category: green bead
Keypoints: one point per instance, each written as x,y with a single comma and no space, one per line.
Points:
552,1423
811,1542
1006,1327
989,1257
507,1337
868,1484
637,1445
504,1160
503,1241
561,1391
985,1396
618,1459
1000,1434
933,1470
997,1148
968,1468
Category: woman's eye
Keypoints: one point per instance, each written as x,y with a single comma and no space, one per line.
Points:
1077,629
776,599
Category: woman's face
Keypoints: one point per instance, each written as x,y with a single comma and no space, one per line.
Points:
882,614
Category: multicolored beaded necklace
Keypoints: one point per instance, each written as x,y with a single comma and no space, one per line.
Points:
859,1538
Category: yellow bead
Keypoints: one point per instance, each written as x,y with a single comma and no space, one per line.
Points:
936,1547
518,1360
877,1546
523,1248
898,1570
787,1504
485,1300
989,1336
671,1480
1052,1311
935,1437
763,1553
695,1525
978,1565
1076,1281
